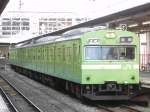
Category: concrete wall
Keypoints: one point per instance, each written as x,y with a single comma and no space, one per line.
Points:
4,51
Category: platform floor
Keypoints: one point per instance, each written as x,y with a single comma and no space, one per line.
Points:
3,106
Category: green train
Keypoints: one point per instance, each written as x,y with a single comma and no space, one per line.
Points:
98,64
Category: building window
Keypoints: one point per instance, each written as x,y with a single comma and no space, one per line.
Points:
6,19
16,19
25,28
25,23
6,28
6,23
24,19
15,28
6,33
15,23
69,19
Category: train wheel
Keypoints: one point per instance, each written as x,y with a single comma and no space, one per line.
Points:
72,88
67,86
78,91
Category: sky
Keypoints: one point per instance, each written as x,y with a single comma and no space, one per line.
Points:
81,8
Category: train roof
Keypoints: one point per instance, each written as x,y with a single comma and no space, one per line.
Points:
69,35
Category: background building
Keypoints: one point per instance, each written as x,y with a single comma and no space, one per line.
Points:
12,26
36,23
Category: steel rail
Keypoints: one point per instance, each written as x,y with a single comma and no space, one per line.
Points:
29,101
105,108
11,105
130,108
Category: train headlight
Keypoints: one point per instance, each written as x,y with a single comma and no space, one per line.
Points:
122,39
126,39
93,41
125,82
129,39
110,35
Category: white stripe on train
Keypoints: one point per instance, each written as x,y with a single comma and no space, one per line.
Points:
126,66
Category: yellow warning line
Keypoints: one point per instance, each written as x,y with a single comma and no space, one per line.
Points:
6,87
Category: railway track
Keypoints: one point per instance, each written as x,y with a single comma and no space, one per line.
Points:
54,107
130,109
58,108
10,105
122,108
101,108
17,101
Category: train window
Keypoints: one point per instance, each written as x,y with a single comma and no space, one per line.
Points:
126,53
92,53
109,52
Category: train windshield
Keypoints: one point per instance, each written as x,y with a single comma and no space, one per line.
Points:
109,52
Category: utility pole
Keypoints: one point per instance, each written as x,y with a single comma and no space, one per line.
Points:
20,4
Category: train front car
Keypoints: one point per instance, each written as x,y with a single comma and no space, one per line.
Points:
110,65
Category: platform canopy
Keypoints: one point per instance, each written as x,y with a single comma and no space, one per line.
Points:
3,4
136,19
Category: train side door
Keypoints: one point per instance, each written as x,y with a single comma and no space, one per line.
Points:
63,59
76,58
50,59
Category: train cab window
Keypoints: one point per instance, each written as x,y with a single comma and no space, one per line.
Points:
92,53
126,53
109,52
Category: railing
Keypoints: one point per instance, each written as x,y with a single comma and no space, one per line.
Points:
145,62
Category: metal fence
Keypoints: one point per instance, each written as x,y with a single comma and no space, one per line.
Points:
145,62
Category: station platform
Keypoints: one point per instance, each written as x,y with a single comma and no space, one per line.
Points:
145,79
3,106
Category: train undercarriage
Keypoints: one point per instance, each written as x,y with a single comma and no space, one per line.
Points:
108,91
